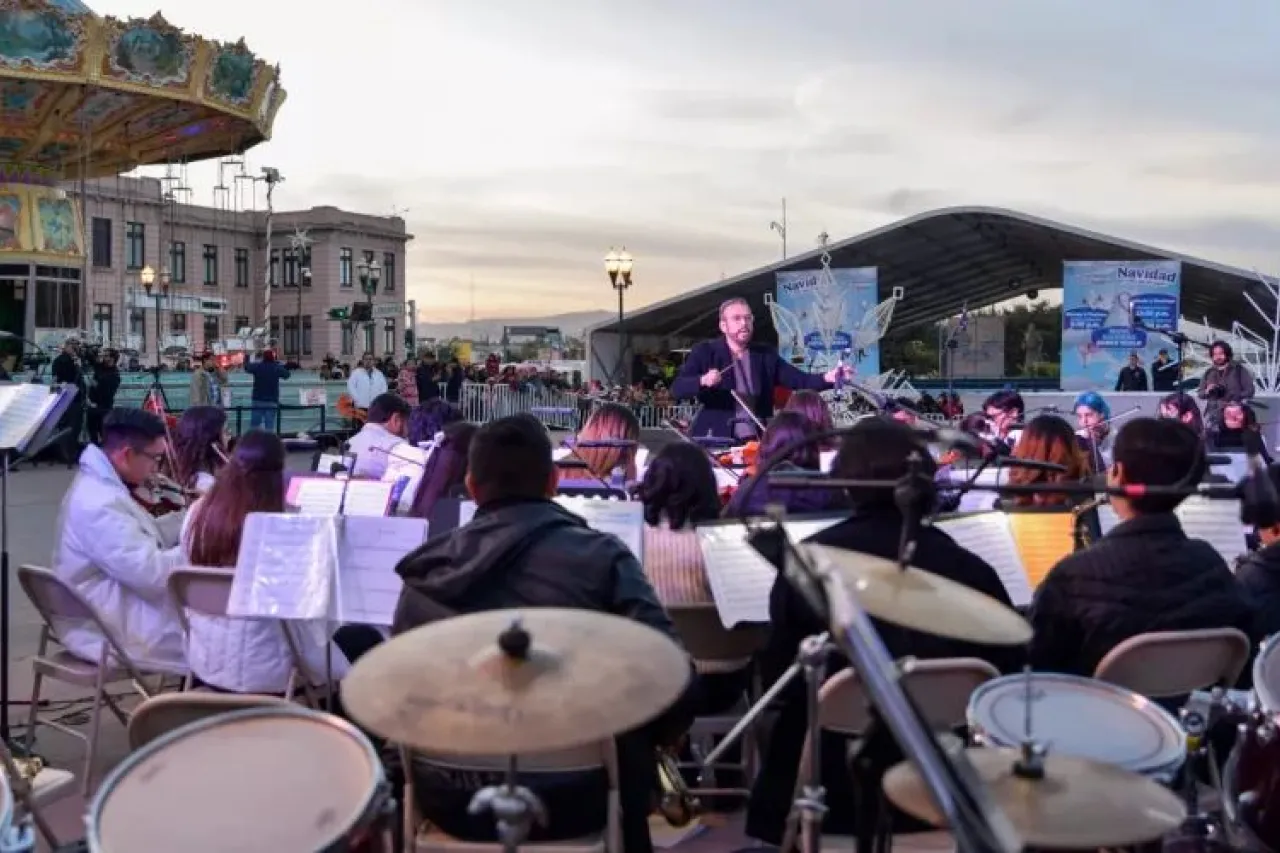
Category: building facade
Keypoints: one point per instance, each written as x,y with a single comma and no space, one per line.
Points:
220,268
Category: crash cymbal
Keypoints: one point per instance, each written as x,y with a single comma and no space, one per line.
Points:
448,687
1077,805
914,598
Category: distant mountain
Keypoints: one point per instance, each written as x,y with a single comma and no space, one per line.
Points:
569,324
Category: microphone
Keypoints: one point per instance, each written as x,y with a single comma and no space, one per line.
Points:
1259,504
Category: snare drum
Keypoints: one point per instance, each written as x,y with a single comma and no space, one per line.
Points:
253,781
1251,777
1080,717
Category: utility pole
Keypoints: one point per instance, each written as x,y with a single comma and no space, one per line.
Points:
781,228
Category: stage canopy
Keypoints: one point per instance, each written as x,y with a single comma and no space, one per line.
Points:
941,259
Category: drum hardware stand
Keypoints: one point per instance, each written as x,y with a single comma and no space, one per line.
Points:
515,809
18,839
811,805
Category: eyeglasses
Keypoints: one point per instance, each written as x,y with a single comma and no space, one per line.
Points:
154,457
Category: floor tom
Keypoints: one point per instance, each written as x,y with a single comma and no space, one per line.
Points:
1251,777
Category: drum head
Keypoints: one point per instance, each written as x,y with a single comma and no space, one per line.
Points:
1266,675
256,781
1079,717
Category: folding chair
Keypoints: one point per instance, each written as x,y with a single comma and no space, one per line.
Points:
162,714
206,591
56,601
709,642
421,837
49,786
1165,664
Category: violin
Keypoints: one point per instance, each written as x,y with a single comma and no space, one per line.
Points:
161,496
748,454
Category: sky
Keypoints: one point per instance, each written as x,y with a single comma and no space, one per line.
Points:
521,139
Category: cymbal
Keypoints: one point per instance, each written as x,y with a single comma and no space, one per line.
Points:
1078,805
449,688
914,598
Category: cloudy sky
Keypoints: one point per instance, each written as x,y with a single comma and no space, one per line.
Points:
525,137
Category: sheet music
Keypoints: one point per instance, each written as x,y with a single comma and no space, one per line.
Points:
1107,518
368,587
989,535
407,461
367,498
624,519
802,530
1216,522
740,579
23,408
286,566
826,459
1042,539
466,512
325,463
317,495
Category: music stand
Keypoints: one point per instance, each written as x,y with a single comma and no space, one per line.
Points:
29,415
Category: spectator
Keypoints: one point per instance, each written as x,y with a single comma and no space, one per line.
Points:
264,398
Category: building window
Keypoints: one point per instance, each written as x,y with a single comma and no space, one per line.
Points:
348,339
306,335
389,272
275,267
273,332
102,321
345,257
57,299
242,267
389,336
211,330
177,322
304,268
101,242
241,323
178,262
138,326
290,342
289,258
368,337
210,264
135,245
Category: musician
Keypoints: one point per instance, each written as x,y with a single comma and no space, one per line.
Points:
1132,377
1005,410
875,449
446,471
787,428
816,411
1094,434
1164,373
366,382
1183,408
733,363
1238,430
101,397
1146,574
1047,438
114,553
384,430
609,422
1259,574
244,655
524,550
1226,379
200,444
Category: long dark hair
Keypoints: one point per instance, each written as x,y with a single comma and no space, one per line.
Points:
252,481
430,418
785,428
446,470
198,431
680,486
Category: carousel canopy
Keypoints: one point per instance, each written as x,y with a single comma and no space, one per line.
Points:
84,94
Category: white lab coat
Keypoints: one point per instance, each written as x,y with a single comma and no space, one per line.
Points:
250,655
119,558
364,385
370,446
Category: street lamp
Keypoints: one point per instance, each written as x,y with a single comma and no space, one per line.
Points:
370,274
618,265
148,278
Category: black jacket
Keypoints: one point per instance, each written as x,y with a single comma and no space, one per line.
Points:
792,621
1145,575
427,380
106,382
1164,375
1259,577
1131,379
768,371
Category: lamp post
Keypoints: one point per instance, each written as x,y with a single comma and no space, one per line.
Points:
300,242
618,265
148,278
370,274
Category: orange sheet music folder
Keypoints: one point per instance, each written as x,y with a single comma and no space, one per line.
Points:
1042,538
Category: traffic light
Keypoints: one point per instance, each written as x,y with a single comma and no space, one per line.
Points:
339,313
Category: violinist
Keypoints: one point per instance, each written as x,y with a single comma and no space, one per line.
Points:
1005,410
116,554
1180,406
1094,436
200,444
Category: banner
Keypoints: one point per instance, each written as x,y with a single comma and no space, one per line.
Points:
824,315
1111,309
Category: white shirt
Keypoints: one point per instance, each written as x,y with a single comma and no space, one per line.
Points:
370,445
364,385
118,557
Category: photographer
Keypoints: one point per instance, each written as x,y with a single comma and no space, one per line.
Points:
102,393
66,371
1226,380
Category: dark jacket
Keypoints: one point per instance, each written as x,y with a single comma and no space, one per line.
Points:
106,382
768,371
65,370
538,554
1259,577
796,501
266,380
1145,575
1164,375
792,620
1131,379
427,380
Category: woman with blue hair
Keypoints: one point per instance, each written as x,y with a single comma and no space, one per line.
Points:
1094,432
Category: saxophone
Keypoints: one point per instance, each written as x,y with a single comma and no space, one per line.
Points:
1079,522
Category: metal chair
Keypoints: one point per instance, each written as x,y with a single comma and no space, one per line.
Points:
1165,664
162,714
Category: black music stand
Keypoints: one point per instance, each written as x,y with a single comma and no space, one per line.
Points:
27,425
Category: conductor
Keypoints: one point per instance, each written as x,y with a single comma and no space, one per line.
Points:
715,369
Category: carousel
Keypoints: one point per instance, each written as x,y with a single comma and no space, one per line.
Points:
85,97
